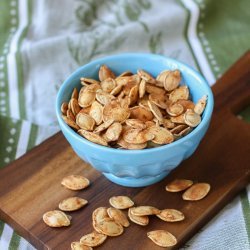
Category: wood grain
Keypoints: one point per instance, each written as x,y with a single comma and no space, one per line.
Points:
31,186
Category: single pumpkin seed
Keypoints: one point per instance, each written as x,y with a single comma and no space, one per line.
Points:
191,118
64,108
118,216
200,105
78,246
95,138
171,215
85,121
93,239
140,220
178,185
109,227
196,192
121,202
72,204
105,73
145,210
162,238
96,112
75,182
56,218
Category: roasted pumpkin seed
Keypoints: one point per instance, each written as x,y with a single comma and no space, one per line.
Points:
196,192
72,204
162,238
145,210
95,138
109,227
56,218
93,239
79,246
171,215
121,202
118,216
178,185
75,182
140,220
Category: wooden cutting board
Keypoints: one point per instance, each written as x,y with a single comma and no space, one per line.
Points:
31,186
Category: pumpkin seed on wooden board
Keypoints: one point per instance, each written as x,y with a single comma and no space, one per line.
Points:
56,218
99,214
103,107
72,204
75,182
196,192
162,238
121,202
79,246
140,220
93,239
178,185
109,227
171,215
118,216
145,210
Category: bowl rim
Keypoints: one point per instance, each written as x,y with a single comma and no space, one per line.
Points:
103,60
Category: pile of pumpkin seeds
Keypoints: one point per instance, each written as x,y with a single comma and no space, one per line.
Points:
133,111
111,221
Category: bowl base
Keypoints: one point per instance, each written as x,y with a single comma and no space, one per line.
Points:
135,182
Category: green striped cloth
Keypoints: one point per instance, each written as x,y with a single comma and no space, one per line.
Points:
42,42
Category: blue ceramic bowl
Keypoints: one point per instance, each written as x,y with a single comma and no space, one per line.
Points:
136,168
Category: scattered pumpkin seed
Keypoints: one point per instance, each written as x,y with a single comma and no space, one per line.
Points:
162,238
93,239
56,218
171,215
72,204
121,202
196,192
75,182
